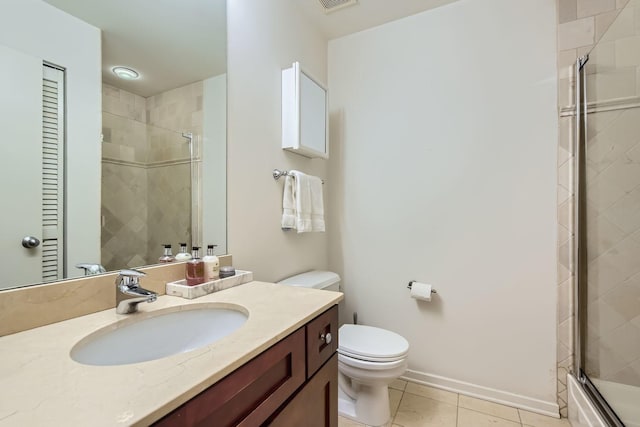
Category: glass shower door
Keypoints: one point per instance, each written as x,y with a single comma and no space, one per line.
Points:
609,213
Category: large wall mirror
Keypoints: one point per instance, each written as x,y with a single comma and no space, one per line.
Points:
106,165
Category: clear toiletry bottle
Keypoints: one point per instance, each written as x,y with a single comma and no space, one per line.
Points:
183,255
167,256
195,268
211,265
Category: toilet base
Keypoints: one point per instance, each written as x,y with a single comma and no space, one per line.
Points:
370,408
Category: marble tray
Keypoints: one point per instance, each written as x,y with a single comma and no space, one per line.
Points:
179,288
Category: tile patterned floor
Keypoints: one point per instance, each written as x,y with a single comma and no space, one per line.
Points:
414,405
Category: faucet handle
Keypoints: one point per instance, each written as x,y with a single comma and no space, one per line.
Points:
129,277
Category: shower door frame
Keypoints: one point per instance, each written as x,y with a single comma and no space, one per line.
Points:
580,248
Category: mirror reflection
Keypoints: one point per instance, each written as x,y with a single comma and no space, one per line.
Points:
160,177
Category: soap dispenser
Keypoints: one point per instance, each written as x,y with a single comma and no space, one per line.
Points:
194,270
211,265
167,256
183,255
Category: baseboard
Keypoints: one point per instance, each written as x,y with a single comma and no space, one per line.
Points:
485,393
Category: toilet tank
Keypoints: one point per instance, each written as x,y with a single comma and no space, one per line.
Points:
327,280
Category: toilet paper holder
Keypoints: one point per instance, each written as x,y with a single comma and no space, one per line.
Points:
433,291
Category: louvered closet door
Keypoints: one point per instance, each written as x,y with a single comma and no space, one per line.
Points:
20,166
52,174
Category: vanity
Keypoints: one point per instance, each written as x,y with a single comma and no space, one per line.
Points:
278,368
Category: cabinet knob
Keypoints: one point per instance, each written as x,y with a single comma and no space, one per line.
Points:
326,338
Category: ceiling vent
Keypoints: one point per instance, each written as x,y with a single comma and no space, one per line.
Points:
330,6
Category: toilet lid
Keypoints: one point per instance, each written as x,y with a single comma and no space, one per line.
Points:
373,344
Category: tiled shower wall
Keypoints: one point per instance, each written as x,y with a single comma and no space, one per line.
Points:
581,24
169,202
613,197
146,190
124,179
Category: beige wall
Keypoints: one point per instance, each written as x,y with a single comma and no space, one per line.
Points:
443,148
264,38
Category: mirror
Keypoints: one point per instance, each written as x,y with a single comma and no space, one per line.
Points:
157,173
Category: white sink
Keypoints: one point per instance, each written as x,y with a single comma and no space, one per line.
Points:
163,334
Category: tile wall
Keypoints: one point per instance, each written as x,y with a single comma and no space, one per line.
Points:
146,191
613,203
581,24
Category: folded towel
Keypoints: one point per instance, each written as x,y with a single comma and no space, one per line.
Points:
288,205
307,199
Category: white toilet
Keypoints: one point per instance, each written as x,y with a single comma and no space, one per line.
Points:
369,359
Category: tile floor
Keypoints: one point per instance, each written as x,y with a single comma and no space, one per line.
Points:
414,405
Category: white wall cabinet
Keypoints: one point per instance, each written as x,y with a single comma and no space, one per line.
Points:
304,114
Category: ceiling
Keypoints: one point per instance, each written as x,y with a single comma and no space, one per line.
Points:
172,43
365,14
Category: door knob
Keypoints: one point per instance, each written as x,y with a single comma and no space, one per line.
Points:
30,242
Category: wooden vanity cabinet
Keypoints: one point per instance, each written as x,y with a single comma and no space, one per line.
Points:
293,383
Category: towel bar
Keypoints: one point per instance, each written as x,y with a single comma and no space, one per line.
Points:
277,173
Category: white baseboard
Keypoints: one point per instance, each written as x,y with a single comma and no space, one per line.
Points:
550,409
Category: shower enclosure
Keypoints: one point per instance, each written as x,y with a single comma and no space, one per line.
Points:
150,190
607,252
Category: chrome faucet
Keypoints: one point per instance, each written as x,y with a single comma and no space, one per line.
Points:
91,269
128,292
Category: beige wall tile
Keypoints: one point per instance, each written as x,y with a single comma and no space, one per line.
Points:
594,7
624,299
623,26
576,33
566,62
602,318
621,3
602,58
490,408
625,341
565,300
604,21
567,10
603,235
432,393
565,332
619,83
625,214
469,418
627,52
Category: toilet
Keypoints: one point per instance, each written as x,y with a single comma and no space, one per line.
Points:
369,359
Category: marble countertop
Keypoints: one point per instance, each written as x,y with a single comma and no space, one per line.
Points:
42,385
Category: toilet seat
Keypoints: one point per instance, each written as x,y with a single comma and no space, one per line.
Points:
370,365
370,344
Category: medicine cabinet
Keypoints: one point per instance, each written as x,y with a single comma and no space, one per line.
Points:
304,114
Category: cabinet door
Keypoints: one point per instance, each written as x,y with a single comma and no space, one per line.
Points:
322,339
249,395
316,405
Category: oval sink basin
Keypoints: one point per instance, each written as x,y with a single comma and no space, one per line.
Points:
164,334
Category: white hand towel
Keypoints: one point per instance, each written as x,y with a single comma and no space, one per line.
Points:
308,202
288,205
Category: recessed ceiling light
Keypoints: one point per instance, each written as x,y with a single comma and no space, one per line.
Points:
125,73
